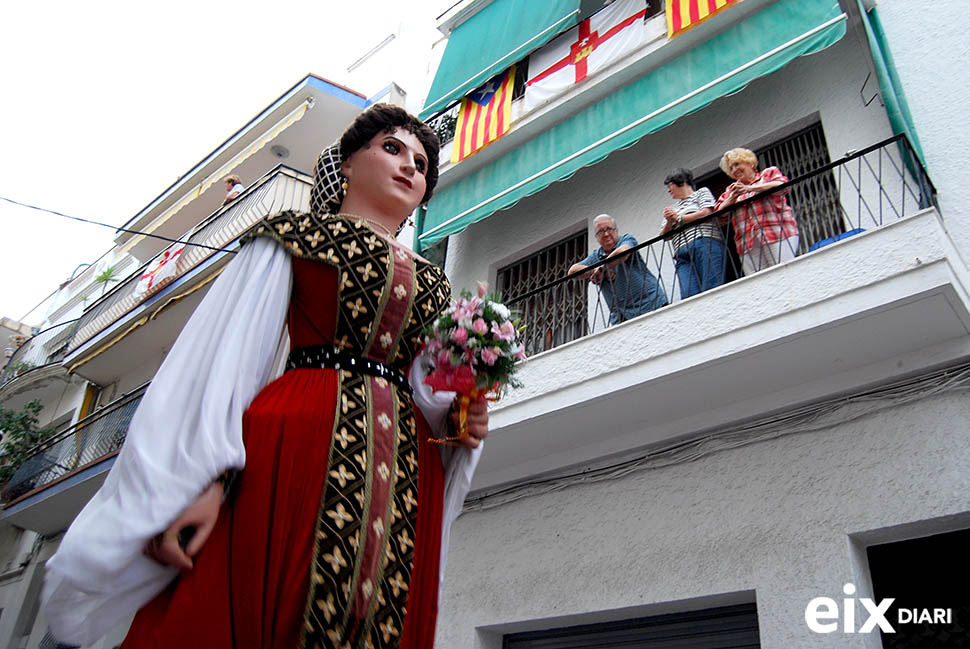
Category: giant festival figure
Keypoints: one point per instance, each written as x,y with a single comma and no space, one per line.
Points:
251,508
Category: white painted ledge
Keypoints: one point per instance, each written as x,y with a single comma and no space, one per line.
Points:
869,309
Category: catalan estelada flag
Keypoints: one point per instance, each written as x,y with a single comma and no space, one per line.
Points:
484,116
685,14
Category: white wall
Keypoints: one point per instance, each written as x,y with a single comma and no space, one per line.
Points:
930,46
629,183
776,517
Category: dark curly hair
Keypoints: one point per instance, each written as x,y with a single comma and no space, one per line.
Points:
385,118
680,177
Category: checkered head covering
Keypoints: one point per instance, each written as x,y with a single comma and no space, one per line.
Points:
327,192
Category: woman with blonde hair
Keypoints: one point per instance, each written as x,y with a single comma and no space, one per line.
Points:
333,532
765,230
234,188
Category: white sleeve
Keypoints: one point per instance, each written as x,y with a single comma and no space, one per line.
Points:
459,461
186,431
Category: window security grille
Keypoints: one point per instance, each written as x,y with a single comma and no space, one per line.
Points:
555,316
816,202
727,627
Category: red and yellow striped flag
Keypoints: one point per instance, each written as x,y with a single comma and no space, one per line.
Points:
484,116
685,14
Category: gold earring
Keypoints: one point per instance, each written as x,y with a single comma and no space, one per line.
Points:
343,186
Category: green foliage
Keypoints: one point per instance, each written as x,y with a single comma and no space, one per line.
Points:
21,435
108,275
22,366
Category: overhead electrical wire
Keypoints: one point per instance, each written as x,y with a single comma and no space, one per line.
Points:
809,418
116,228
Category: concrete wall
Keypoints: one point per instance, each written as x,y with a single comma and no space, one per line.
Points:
17,580
629,183
779,518
930,47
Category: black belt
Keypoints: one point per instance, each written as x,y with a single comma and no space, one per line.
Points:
328,356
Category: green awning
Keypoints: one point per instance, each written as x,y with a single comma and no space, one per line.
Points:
897,108
760,45
493,39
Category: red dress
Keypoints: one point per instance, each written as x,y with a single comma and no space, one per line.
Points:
331,535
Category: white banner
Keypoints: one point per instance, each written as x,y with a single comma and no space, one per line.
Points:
595,43
159,271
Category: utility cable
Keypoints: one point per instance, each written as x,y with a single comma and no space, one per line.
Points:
809,418
116,228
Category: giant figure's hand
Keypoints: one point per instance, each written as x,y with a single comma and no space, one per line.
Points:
477,423
197,520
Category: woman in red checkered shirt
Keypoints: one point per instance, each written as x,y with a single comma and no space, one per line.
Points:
765,230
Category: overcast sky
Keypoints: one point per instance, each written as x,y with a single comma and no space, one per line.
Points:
105,104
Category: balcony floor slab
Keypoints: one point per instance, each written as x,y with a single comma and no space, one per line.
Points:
868,310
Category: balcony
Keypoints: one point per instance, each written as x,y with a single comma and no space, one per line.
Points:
883,304
55,482
111,338
34,371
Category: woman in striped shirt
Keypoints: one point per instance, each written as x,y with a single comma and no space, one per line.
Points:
699,253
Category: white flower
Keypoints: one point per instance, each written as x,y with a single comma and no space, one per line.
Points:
465,323
502,310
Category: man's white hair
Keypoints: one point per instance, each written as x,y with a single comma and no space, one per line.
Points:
603,217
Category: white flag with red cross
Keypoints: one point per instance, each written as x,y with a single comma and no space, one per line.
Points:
158,273
605,37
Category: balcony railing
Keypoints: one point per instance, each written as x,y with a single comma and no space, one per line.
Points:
43,348
84,443
282,188
863,190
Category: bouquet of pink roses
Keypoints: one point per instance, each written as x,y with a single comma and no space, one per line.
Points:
474,345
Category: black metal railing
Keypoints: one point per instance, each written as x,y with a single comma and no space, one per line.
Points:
280,189
444,124
883,182
87,441
43,348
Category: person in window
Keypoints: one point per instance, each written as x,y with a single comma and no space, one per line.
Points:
699,253
629,287
335,526
234,188
765,230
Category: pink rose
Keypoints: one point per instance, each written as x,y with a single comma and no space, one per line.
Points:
460,335
482,289
480,326
489,356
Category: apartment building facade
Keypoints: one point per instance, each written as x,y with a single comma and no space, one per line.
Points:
102,342
698,475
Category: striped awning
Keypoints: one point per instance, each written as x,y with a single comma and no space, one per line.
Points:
502,33
759,45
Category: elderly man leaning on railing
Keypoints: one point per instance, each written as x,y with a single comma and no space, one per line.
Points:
629,287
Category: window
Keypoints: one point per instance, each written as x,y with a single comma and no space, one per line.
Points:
554,316
589,7
816,202
928,573
521,79
727,627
